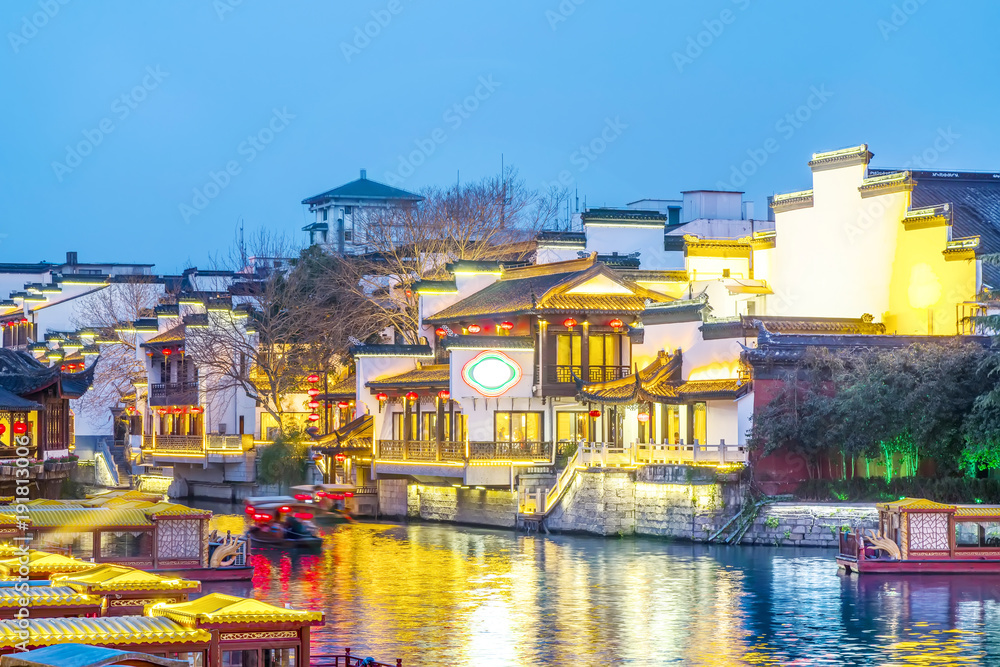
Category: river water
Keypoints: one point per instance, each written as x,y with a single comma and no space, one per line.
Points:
435,594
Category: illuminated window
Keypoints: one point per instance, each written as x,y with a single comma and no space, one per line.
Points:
518,426
670,424
572,426
126,544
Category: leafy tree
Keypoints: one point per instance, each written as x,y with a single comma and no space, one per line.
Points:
284,462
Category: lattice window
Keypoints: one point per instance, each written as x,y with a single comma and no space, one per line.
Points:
178,538
928,532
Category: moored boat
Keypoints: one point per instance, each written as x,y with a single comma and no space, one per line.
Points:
916,535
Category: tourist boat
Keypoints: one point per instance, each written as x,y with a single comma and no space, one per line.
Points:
321,504
262,537
127,528
922,536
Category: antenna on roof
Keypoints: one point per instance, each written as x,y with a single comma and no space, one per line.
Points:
364,174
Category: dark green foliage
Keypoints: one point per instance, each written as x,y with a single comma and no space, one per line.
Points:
283,462
876,489
934,400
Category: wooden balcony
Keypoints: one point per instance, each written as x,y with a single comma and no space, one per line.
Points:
173,393
452,452
196,445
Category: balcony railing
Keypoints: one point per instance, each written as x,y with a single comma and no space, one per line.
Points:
564,374
447,451
173,393
178,443
720,453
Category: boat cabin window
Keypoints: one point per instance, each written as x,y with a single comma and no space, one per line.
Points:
968,534
126,544
267,657
78,545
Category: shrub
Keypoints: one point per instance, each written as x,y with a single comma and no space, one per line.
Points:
942,489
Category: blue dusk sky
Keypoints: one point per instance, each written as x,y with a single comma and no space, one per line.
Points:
145,131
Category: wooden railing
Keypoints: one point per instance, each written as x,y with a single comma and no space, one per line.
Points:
228,443
178,443
173,393
607,373
563,374
348,660
431,451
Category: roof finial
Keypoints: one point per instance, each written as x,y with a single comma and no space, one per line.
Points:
364,174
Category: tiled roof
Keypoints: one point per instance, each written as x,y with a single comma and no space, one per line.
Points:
342,389
428,375
745,326
72,518
14,403
624,216
47,596
222,608
504,297
40,562
434,286
562,239
694,390
104,630
110,577
627,389
363,188
82,655
489,342
392,351
172,335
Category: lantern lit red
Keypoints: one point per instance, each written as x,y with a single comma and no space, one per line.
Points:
312,378
616,323
643,417
475,328
413,396
594,414
196,410
343,405
506,326
161,411
313,391
313,417
569,323
409,292
3,429
444,394
24,320
441,332
149,353
340,458
167,351
313,404
381,397
20,428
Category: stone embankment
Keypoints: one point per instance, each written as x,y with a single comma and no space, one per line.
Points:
679,502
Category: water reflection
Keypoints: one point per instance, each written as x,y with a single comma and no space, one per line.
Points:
445,595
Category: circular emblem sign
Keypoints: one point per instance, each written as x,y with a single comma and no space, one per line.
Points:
491,373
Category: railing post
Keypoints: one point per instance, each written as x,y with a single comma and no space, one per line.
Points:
722,451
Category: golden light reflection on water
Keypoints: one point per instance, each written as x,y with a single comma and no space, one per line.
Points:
446,595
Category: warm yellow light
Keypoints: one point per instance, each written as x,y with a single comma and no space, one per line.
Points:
720,370
925,287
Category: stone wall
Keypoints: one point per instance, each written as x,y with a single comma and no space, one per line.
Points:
475,506
809,525
686,504
392,498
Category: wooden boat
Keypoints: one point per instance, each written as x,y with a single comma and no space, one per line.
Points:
127,528
305,505
916,535
260,537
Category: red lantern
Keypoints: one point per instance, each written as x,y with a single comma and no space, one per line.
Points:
167,351
643,417
24,320
594,414
340,458
305,516
506,326
63,367
343,405
313,404
302,496
409,292
569,323
149,353
312,378
381,397
313,417
312,391
196,410
161,411
444,394
413,395
20,428
616,323
475,328
441,332
3,429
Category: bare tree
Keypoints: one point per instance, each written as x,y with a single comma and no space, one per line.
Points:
269,331
109,311
495,218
